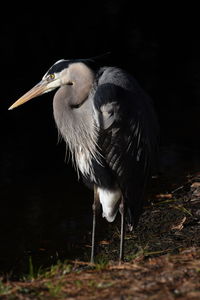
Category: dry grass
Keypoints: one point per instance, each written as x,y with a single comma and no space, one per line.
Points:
162,258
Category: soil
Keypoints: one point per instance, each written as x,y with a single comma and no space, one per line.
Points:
162,255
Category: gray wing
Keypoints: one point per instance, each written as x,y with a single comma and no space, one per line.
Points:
128,138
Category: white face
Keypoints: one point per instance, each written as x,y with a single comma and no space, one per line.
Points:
50,81
53,81
72,74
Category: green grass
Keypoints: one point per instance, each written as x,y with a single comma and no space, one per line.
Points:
61,268
55,288
101,262
35,272
4,289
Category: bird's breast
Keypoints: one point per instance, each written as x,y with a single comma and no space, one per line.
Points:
83,159
84,162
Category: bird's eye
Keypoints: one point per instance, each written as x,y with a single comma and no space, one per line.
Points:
52,76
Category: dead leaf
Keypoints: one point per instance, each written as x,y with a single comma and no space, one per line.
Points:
168,196
180,225
104,242
195,184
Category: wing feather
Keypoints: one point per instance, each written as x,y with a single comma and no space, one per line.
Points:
128,134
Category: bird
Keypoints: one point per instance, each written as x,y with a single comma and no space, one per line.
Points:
110,126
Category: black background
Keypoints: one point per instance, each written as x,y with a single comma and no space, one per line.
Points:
41,201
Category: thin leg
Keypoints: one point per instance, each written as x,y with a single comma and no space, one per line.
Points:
94,208
121,249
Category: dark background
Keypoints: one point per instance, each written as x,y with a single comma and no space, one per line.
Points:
42,205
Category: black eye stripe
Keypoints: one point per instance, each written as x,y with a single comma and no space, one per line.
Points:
63,64
58,67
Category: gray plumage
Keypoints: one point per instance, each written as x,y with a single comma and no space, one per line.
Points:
109,125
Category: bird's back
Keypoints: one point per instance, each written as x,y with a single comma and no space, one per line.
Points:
128,134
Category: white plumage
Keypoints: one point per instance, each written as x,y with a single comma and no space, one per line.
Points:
110,202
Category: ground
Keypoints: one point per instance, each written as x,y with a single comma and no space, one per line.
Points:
162,256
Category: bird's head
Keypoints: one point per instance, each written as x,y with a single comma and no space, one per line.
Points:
56,76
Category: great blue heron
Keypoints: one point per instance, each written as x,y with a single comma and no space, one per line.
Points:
109,125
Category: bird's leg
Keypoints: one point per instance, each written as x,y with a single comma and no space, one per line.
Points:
94,208
122,212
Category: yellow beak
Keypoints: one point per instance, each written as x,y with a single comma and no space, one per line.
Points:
37,90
